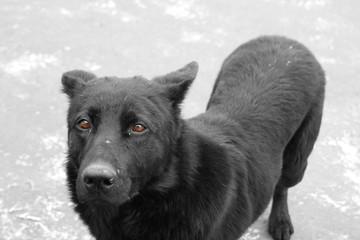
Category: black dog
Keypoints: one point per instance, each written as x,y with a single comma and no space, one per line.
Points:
137,171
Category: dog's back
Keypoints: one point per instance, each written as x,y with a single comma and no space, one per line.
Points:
271,82
267,103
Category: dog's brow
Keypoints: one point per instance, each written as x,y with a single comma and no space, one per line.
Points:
127,117
94,112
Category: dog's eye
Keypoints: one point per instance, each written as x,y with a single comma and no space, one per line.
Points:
138,128
84,124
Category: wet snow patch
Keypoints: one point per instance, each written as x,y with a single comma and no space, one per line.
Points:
92,66
191,37
27,62
185,10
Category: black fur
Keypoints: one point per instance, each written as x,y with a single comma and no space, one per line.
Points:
209,177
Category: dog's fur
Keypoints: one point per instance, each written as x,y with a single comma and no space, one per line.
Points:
209,177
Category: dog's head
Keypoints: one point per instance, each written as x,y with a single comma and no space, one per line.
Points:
121,132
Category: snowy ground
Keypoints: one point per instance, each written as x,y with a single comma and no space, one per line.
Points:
39,40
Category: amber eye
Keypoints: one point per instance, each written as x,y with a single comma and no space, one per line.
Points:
84,124
138,128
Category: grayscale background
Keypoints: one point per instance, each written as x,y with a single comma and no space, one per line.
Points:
41,39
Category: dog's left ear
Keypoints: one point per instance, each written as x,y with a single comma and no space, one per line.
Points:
177,83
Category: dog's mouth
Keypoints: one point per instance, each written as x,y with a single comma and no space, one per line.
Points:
96,201
117,196
104,200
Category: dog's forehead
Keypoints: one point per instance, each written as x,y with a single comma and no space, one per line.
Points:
115,84
118,87
110,92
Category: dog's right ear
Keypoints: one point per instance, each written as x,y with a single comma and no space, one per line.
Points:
74,81
177,83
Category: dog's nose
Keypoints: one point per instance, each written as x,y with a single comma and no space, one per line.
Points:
99,178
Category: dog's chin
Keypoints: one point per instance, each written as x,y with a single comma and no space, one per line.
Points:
100,201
